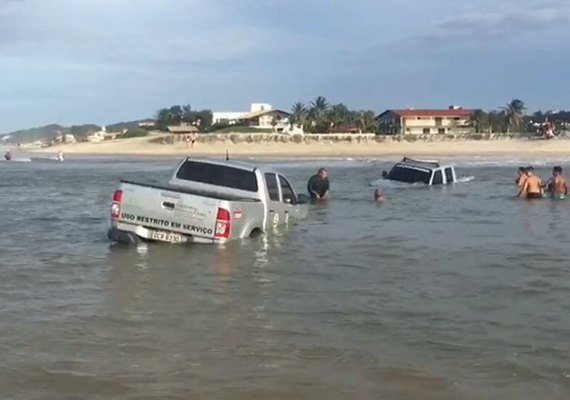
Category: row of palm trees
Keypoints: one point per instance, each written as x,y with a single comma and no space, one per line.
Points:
321,117
509,118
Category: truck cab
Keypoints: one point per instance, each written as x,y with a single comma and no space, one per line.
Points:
421,171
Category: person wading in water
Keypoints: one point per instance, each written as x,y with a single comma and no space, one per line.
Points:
532,187
557,185
319,185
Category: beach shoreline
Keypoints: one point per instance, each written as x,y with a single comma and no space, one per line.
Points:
151,147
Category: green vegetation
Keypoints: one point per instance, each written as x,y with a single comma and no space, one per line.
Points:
133,133
176,114
512,118
321,117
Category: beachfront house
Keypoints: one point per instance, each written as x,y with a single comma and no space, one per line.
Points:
184,128
454,120
234,117
277,120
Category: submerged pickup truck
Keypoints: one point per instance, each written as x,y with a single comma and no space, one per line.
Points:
205,201
421,171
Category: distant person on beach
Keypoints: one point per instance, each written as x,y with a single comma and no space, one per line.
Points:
7,155
319,185
192,140
522,177
557,186
532,187
60,156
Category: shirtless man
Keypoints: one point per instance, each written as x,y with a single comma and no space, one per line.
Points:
532,187
557,185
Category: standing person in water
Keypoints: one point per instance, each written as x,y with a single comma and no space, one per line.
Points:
532,187
521,178
557,185
318,185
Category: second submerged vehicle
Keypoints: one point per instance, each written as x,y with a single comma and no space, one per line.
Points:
421,171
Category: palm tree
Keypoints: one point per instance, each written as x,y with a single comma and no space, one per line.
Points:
480,121
316,117
298,115
319,108
514,114
367,121
338,114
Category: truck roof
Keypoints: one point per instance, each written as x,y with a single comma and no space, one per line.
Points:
423,164
234,164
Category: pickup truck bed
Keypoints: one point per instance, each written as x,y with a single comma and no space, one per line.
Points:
180,189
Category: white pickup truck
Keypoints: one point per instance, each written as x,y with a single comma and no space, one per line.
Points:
205,202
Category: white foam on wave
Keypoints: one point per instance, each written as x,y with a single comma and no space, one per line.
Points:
389,183
465,179
18,160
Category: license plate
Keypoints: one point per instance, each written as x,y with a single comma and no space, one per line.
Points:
167,237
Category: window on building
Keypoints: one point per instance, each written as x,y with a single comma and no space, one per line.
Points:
426,131
441,131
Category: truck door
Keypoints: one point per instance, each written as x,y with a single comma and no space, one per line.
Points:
288,198
275,214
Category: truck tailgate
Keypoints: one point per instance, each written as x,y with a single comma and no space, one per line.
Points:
168,210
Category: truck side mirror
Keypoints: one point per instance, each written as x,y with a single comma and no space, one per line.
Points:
303,199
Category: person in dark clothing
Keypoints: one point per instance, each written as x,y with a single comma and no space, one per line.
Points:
318,185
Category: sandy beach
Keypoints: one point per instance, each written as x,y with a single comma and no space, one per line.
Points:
147,147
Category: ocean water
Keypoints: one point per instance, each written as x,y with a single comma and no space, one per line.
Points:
458,292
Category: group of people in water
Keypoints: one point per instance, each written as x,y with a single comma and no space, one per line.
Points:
531,185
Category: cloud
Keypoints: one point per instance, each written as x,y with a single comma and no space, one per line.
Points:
510,23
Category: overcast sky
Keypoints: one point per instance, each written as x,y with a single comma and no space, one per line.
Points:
101,61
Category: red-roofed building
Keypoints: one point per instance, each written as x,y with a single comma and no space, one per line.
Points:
454,120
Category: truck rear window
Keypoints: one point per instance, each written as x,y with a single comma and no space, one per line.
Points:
218,175
409,175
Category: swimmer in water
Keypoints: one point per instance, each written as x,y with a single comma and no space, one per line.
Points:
532,187
378,196
557,185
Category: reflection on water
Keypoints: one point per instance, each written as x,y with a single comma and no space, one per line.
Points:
442,293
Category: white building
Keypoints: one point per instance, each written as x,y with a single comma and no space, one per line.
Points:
232,117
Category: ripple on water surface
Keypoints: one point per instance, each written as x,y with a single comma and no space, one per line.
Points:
440,293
